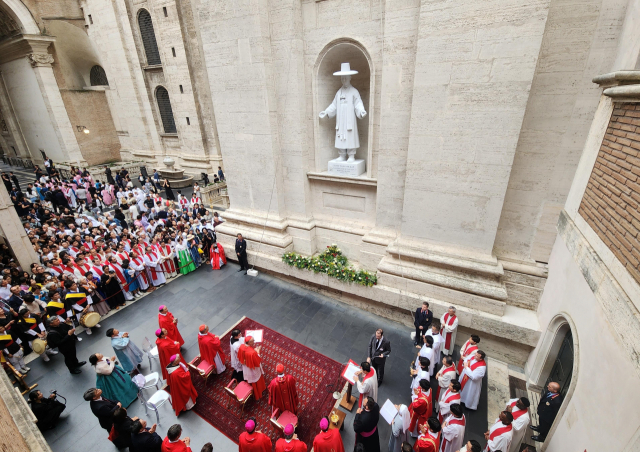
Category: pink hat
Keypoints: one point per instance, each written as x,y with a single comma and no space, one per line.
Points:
324,423
162,308
159,332
250,425
289,429
173,358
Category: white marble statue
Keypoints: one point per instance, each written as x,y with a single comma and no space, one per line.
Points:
348,106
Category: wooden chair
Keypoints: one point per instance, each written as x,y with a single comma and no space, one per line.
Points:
202,367
281,419
241,392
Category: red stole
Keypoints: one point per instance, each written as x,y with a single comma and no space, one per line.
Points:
120,275
139,261
329,441
209,345
98,270
518,413
89,245
470,349
166,322
57,270
366,377
443,371
283,394
454,421
448,320
499,431
152,257
472,367
449,397
181,388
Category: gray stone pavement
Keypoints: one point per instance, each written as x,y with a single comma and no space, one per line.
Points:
220,299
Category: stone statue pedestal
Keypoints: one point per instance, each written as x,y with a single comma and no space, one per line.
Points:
346,168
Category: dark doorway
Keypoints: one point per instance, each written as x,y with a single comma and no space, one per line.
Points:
563,365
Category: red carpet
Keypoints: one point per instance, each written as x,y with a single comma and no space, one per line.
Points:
316,378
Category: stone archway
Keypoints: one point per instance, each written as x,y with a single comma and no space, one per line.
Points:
557,360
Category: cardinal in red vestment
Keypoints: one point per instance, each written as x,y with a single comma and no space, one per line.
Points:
183,394
166,349
252,441
210,349
290,442
421,408
217,254
166,321
173,443
327,440
251,368
282,392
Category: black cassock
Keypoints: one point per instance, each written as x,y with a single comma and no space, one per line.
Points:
365,422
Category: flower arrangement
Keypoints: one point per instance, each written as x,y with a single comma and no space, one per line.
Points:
333,263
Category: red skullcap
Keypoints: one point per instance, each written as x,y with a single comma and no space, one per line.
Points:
202,328
280,369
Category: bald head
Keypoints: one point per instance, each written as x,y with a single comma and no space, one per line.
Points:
553,387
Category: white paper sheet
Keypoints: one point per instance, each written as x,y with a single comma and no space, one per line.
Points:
349,373
255,334
388,411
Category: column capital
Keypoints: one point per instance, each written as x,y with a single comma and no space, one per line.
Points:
40,59
26,45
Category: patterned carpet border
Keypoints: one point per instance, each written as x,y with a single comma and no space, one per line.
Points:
317,376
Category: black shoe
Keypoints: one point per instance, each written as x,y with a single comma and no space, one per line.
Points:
240,269
245,273
81,363
534,428
537,438
76,371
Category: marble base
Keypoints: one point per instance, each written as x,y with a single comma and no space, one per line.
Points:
345,168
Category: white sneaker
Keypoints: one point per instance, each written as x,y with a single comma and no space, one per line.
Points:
52,351
45,358
88,330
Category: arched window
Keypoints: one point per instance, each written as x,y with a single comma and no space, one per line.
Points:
166,114
98,77
148,37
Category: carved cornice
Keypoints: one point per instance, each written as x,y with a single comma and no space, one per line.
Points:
24,46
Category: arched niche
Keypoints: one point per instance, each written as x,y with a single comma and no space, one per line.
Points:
325,86
21,14
554,343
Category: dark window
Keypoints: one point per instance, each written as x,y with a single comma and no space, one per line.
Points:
98,77
148,37
188,122
166,114
164,10
90,19
173,50
181,89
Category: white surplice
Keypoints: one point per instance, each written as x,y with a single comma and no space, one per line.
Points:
426,352
369,388
422,375
500,442
235,363
470,394
519,425
446,375
452,434
446,328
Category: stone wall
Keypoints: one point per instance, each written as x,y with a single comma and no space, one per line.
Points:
611,201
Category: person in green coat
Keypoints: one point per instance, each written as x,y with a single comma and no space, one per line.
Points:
114,382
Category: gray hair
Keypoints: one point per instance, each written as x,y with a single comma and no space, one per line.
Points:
452,307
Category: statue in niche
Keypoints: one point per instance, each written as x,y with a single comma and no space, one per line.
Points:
347,104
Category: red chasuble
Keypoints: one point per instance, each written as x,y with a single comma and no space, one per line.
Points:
166,322
420,410
215,257
181,388
283,395
166,349
254,442
178,446
209,347
250,358
294,446
426,443
329,441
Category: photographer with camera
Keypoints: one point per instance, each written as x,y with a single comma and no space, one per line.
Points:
47,411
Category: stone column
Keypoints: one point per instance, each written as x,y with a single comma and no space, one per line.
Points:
14,233
13,126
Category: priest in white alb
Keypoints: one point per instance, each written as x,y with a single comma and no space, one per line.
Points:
366,382
153,261
467,351
448,329
453,430
434,332
499,435
427,352
444,376
471,380
449,397
421,373
519,409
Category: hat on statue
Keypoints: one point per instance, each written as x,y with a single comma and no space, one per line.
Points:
345,69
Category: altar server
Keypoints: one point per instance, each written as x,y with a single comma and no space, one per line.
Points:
210,349
236,341
427,352
434,332
153,261
366,382
471,380
328,440
183,394
453,430
467,351
449,397
418,375
173,443
290,442
429,438
519,409
448,329
128,354
249,356
253,441
421,408
445,375
166,349
499,435
282,392
168,322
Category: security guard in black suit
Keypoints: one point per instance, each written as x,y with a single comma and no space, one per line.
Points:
547,411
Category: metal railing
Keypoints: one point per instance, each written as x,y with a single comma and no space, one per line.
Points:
17,161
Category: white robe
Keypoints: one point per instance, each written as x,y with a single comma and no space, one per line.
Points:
235,363
500,442
140,268
422,375
453,434
444,407
252,374
437,342
470,395
150,263
519,427
444,379
348,105
448,329
426,352
369,388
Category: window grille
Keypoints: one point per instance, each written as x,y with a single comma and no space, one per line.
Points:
148,38
166,113
98,77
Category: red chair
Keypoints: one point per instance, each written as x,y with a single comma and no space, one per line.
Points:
241,392
281,419
202,367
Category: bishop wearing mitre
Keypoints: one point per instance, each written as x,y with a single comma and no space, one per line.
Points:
249,357
282,392
210,349
169,323
183,394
